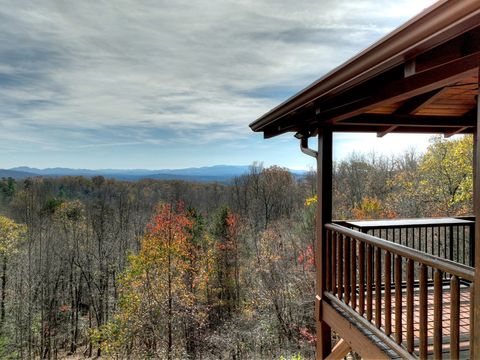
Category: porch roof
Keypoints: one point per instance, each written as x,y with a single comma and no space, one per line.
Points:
422,77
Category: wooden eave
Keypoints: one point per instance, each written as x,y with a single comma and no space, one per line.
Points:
422,77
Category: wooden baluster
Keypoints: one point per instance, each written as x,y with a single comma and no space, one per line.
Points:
334,262
471,246
437,314
445,254
353,273
419,238
414,245
361,278
328,259
346,269
410,276
439,241
450,245
369,281
454,317
457,233
398,299
388,293
426,241
340,266
378,287
440,245
423,311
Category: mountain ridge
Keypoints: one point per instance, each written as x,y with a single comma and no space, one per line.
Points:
215,173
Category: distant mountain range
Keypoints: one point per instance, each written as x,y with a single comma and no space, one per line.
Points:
217,173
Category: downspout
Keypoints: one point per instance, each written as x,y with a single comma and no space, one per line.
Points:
304,145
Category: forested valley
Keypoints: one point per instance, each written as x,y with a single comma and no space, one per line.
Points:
175,270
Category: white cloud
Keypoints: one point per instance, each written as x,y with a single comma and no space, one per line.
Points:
391,144
184,66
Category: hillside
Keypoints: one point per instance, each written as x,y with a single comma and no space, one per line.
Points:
16,174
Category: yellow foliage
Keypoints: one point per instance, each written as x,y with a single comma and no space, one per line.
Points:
311,200
447,169
10,234
371,208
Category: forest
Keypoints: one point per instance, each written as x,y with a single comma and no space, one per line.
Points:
95,267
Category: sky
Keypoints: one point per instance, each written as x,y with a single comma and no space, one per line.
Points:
173,84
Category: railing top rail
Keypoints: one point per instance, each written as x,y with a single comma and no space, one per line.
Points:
451,267
397,223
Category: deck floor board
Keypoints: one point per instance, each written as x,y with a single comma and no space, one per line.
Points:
464,321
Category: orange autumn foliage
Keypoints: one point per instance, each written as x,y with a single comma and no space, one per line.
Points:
159,289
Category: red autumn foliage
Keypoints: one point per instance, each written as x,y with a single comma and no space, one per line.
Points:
64,308
168,218
307,335
231,233
307,257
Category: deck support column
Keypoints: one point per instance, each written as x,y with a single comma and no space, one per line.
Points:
324,215
475,302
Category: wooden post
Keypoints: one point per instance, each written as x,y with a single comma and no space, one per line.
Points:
475,302
324,215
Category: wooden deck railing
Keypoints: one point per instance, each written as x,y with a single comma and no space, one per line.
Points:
449,240
385,287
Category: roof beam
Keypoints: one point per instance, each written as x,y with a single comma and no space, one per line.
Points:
410,68
411,120
398,129
473,112
386,131
417,84
457,47
454,132
380,123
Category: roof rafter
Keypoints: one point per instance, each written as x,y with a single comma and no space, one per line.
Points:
414,85
416,103
411,106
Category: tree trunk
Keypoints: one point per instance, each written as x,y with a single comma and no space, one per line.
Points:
73,310
4,285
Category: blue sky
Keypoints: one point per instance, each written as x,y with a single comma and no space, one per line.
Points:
173,84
